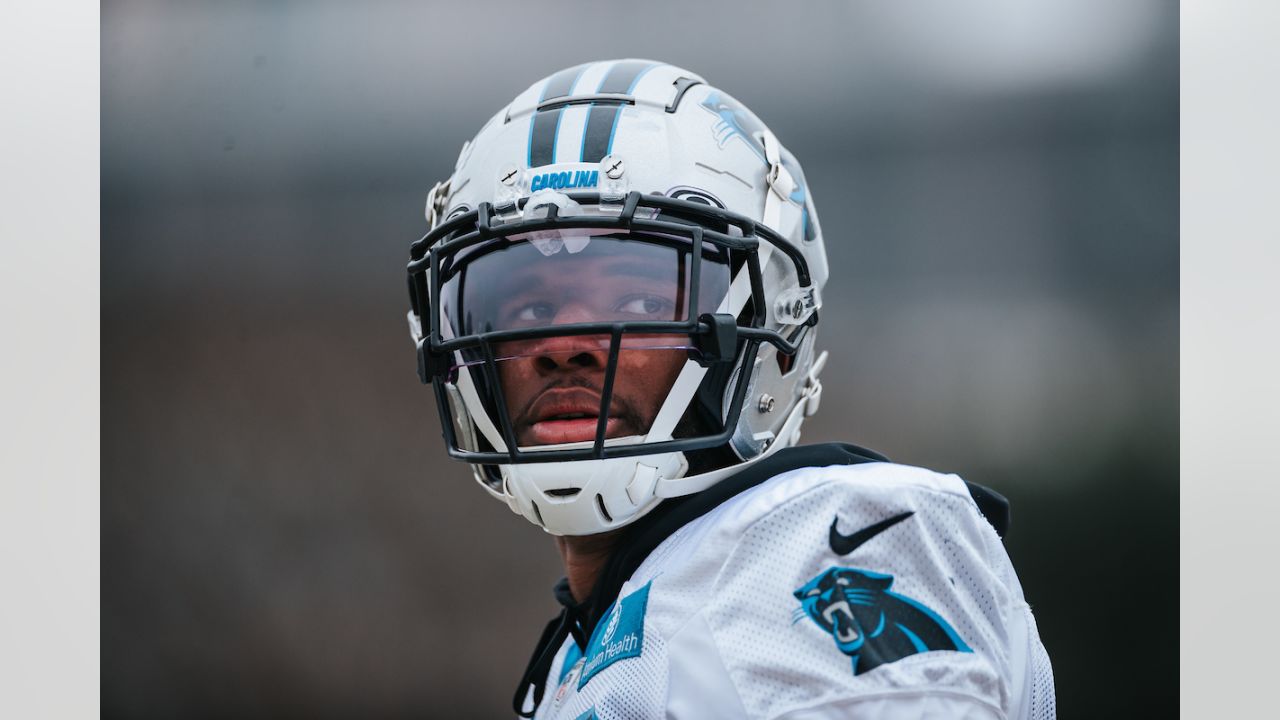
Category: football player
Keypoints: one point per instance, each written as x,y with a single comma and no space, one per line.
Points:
616,307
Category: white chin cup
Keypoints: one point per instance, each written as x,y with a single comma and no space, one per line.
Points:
616,491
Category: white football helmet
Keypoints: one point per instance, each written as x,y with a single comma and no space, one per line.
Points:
616,299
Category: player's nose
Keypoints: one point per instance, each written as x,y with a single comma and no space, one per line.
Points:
572,352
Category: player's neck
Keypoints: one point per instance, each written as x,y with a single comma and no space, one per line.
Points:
584,558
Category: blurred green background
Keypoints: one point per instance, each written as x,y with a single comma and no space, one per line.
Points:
282,533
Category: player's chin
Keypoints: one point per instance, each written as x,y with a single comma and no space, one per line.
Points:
559,432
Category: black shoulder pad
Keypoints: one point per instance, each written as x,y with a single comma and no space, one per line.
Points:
993,506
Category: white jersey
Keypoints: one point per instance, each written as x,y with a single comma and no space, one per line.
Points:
851,591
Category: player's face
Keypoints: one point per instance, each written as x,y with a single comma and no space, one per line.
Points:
554,386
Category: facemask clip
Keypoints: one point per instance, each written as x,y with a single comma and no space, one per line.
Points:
721,343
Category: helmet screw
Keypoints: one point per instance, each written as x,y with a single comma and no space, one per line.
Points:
508,175
790,308
613,167
766,403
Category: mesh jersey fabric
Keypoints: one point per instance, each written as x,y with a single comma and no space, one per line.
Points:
725,635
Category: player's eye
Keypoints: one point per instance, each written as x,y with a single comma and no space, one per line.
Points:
535,312
648,305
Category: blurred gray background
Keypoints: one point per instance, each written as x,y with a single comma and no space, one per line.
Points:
282,533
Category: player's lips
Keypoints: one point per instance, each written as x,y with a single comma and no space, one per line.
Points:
567,415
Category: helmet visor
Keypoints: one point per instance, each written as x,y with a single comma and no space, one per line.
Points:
613,368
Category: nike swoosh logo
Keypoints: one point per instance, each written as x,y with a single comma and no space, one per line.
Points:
845,544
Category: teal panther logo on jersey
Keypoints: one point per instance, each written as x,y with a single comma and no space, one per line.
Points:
870,624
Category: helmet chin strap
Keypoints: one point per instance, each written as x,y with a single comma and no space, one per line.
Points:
678,399
787,437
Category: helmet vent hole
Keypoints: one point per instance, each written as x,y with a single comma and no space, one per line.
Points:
785,362
603,510
563,492
493,478
538,513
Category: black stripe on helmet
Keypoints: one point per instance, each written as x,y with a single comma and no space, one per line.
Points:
561,83
622,77
545,125
597,139
542,137
602,121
